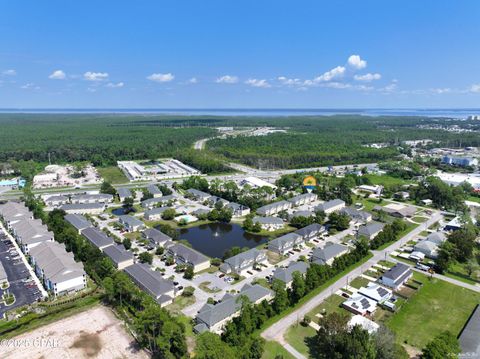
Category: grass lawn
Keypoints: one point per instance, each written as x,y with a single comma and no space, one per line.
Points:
274,258
297,336
329,305
112,174
473,199
359,282
368,203
459,272
274,234
437,306
385,263
419,219
179,303
204,286
273,350
386,180
263,282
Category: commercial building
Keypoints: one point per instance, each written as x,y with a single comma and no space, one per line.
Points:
460,161
397,210
214,317
244,262
255,182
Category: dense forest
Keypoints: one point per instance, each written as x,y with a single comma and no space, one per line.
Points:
310,140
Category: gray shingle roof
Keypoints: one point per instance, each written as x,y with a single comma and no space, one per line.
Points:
286,274
156,236
397,272
370,229
310,230
328,252
211,315
118,253
78,221
188,254
130,221
469,337
329,204
124,192
97,237
285,241
82,206
149,280
268,220
154,189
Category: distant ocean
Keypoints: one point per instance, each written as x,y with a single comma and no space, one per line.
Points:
450,113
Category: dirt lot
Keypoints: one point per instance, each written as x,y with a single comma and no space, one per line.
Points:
96,333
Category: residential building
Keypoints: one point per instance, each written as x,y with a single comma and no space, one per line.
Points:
312,231
120,257
13,212
358,304
376,189
83,208
274,208
437,237
301,214
244,262
57,269
152,282
131,224
370,230
269,223
356,215
198,195
454,225
97,238
124,193
214,317
366,324
91,198
286,274
185,255
155,237
30,233
429,249
330,206
375,292
238,210
396,276
154,191
213,200
154,214
328,253
402,195
78,221
160,201
56,201
302,199
285,243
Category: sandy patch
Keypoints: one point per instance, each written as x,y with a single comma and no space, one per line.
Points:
96,333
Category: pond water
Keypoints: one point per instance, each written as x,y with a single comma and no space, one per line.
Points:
214,239
121,211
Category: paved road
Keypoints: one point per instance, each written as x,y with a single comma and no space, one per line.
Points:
276,331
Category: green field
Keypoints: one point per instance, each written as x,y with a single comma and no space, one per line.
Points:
386,180
274,350
297,336
436,307
112,174
329,305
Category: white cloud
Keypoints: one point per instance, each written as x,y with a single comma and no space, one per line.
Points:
356,62
95,76
193,80
158,77
57,75
30,86
10,72
368,77
441,91
475,88
258,83
115,85
390,87
328,76
227,79
289,82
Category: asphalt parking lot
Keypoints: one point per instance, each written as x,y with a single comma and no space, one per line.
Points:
25,291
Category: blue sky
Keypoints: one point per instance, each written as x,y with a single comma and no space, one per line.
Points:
239,54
